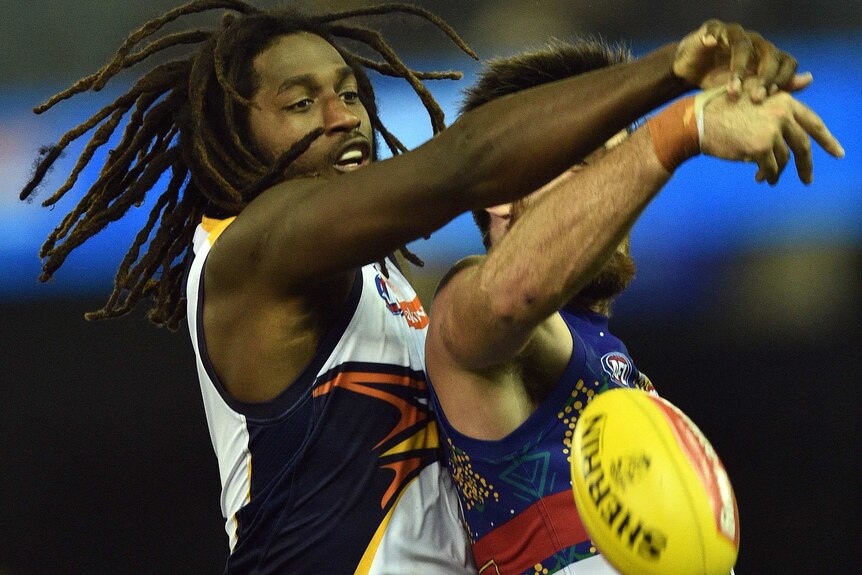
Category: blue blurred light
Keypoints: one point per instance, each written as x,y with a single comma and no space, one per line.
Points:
709,208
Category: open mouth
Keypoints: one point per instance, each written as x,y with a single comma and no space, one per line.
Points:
353,156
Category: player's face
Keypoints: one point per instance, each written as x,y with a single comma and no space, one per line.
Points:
304,85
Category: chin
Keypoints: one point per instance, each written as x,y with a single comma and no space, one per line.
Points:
612,279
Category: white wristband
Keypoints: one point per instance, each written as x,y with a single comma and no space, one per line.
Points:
700,102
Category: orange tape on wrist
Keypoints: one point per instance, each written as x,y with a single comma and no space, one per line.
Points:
674,133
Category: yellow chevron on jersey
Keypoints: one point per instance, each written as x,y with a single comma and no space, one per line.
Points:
424,438
214,227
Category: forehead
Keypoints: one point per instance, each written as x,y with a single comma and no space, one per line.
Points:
297,54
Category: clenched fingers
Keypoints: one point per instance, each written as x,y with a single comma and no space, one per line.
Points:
785,76
712,32
797,82
741,53
768,68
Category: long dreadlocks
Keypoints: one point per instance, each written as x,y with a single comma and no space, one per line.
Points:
188,118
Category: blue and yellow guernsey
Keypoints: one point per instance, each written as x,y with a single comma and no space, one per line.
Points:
516,492
341,473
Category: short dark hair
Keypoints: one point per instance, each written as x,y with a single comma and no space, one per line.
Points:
557,61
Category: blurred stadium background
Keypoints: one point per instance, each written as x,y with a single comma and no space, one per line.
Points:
745,311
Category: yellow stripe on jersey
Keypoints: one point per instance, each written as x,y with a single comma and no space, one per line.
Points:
248,493
364,566
215,227
424,438
235,537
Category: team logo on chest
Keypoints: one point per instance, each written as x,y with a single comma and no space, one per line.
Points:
412,311
618,367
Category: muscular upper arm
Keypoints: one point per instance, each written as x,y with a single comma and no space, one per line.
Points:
302,232
305,232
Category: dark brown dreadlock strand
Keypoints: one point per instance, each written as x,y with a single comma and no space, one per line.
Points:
187,119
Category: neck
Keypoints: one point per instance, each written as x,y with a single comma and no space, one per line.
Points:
601,306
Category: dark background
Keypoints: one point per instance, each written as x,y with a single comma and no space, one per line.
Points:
105,459
107,465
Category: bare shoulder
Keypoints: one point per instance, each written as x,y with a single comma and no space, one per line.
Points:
242,253
445,306
259,341
302,232
259,334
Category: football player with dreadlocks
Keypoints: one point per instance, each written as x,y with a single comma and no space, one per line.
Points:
309,339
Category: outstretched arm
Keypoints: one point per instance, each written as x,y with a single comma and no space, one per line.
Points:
316,229
487,311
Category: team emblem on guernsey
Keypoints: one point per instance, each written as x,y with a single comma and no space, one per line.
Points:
412,311
618,367
411,444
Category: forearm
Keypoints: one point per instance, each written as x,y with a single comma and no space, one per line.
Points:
568,233
516,144
563,237
496,153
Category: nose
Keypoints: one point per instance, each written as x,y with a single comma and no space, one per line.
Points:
338,117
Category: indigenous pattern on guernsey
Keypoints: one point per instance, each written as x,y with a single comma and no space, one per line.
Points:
341,473
516,493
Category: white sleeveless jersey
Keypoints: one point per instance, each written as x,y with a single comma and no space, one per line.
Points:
342,472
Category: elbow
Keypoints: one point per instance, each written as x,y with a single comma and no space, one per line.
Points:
497,331
521,307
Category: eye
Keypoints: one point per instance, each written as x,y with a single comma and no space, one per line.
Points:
350,96
300,105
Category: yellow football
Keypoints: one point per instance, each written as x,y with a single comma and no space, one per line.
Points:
650,489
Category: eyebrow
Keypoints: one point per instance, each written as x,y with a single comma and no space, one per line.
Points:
310,81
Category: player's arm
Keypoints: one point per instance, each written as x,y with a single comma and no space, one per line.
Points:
487,312
316,229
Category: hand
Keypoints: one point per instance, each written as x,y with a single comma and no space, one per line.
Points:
718,53
765,133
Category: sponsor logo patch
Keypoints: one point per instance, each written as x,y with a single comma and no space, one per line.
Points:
412,310
618,367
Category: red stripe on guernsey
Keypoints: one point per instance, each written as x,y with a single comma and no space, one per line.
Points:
522,542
